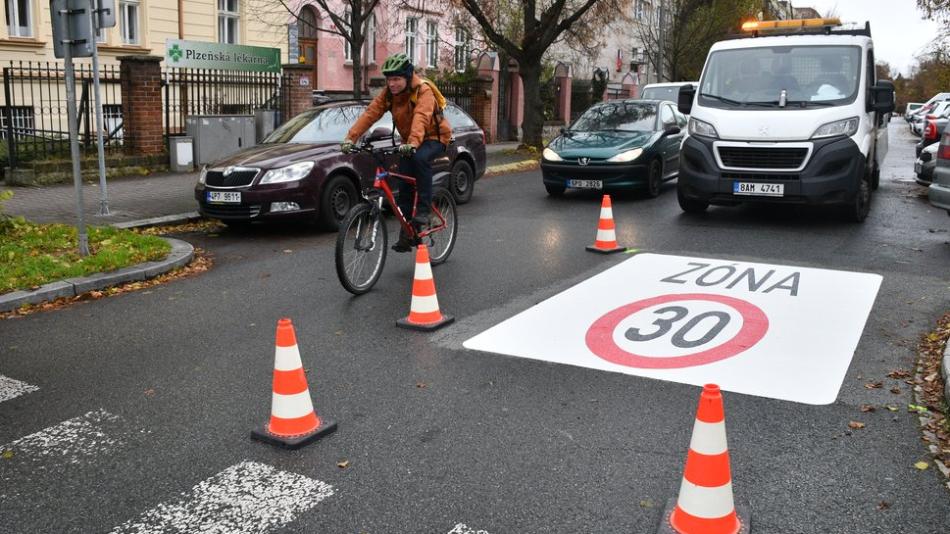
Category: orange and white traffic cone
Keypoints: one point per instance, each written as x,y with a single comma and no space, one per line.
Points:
293,423
606,241
424,311
705,504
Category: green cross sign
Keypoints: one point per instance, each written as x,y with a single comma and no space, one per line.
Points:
175,52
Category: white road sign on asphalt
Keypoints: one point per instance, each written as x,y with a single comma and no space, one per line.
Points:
769,330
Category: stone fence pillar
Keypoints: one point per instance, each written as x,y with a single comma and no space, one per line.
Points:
562,78
142,113
486,95
630,86
297,89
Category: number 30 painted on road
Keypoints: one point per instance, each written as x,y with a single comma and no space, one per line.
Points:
601,342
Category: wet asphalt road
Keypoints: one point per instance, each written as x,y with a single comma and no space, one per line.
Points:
436,435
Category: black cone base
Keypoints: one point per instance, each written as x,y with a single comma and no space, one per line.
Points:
326,427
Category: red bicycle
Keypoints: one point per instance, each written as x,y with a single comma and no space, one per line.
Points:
361,245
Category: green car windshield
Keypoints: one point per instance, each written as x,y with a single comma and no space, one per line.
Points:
618,116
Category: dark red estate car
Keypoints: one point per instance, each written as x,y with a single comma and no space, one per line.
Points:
299,171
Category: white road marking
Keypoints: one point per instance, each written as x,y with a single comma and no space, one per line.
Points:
462,528
10,388
72,441
245,498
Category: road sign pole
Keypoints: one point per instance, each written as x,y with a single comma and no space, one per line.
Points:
74,150
103,192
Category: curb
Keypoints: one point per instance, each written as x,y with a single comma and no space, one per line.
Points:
159,221
180,255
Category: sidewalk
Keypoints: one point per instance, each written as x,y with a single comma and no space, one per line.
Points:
134,199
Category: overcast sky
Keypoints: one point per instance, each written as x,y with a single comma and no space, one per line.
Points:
897,26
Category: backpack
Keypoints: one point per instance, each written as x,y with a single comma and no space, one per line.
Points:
440,101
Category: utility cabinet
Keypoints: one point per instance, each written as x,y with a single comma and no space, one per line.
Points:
219,136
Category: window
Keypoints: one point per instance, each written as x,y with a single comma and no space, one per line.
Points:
112,119
457,118
308,23
638,9
129,21
667,118
347,45
23,120
461,49
432,43
19,18
370,42
229,14
412,26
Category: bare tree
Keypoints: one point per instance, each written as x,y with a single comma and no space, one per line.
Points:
525,30
350,20
678,40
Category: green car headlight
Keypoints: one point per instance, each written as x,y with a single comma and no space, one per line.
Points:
627,156
551,155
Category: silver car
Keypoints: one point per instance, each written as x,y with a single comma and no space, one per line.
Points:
924,166
939,191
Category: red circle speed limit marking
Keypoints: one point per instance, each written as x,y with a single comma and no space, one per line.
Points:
675,321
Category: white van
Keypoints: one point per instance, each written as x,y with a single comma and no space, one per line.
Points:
789,112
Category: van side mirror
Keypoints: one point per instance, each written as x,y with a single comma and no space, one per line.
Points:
379,133
882,96
684,101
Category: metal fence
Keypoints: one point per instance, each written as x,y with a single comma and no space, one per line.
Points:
462,94
217,92
33,120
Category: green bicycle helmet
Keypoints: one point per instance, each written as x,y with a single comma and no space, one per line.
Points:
397,65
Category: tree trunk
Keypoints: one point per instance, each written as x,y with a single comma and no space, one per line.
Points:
533,109
357,74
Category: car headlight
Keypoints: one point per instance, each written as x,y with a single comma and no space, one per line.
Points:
845,127
624,157
290,173
703,128
551,155
203,175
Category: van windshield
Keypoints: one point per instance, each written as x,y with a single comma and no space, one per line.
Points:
810,76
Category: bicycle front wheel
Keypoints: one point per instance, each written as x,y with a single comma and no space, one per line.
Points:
361,248
440,243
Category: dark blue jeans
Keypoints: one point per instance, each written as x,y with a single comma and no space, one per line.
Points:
419,166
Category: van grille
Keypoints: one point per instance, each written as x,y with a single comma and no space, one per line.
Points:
762,158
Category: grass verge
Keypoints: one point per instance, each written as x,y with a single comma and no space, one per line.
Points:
35,254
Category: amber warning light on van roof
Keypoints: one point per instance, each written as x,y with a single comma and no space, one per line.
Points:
788,25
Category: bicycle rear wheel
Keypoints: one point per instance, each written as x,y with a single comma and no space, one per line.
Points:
361,248
441,243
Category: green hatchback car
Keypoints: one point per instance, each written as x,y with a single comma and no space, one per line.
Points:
616,145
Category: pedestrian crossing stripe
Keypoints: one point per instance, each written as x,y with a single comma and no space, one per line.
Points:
462,528
246,498
93,434
11,388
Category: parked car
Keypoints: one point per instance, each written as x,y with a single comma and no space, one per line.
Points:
911,108
299,171
933,125
924,166
664,91
930,111
939,190
621,144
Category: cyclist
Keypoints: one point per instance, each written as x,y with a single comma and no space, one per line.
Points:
424,132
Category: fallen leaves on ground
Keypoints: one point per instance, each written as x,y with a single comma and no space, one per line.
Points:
343,464
874,385
201,262
930,403
921,465
200,226
898,373
867,408
855,425
508,168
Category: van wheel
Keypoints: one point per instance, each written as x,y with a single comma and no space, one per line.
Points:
339,195
655,179
857,210
690,205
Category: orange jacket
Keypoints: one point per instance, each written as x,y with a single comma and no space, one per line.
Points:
414,125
